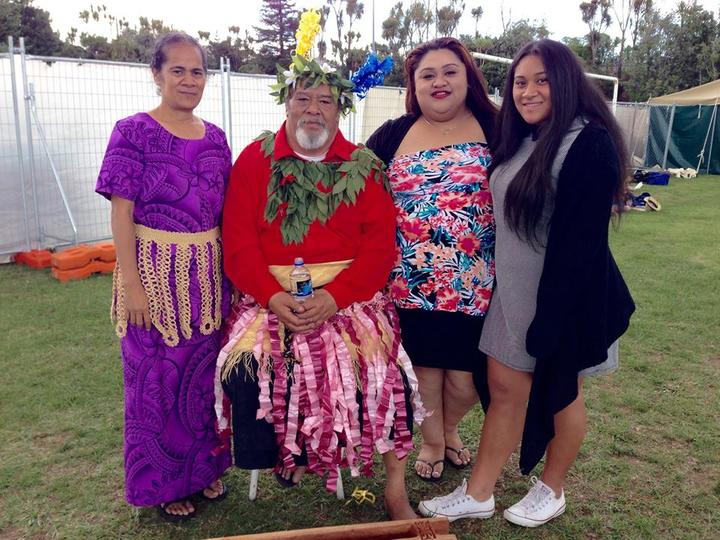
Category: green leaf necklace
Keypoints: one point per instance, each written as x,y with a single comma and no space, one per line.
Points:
301,192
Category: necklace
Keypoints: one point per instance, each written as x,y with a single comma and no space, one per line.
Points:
445,130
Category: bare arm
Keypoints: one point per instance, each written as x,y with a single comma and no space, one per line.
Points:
123,229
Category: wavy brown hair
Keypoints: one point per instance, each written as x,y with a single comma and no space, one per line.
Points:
477,98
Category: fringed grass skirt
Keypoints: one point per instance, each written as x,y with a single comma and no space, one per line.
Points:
301,398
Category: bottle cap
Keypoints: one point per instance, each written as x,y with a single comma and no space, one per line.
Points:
299,261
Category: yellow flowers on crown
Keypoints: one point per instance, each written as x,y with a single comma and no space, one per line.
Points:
311,72
308,28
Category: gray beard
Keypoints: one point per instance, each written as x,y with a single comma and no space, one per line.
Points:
310,142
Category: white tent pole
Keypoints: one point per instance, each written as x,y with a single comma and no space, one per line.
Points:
701,155
667,139
713,122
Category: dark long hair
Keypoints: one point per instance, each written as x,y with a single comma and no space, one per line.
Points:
572,95
477,98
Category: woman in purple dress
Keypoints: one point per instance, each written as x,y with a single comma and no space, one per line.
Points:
165,172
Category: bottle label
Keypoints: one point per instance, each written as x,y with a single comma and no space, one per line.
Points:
302,289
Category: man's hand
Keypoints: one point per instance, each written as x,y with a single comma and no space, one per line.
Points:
319,308
289,311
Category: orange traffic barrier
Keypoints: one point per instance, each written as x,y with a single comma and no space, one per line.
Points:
37,258
82,261
106,251
94,267
75,257
71,274
103,267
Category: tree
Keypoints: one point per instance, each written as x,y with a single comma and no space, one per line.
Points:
673,52
239,52
640,10
277,37
343,46
506,45
419,18
394,32
627,17
595,14
19,18
447,17
476,12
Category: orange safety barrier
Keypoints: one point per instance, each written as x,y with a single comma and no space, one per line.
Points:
75,257
106,251
94,267
37,258
82,261
103,267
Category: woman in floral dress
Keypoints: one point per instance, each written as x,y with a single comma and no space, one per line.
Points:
437,157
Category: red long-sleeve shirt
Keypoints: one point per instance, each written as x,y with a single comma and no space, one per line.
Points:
364,232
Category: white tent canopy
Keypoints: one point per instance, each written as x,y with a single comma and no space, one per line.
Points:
705,94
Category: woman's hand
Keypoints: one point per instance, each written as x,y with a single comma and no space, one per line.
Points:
136,305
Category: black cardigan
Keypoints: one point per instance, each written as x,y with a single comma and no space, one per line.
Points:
583,303
387,138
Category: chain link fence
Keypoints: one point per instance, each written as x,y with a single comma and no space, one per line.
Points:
54,130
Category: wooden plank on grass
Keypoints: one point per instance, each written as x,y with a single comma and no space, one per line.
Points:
421,529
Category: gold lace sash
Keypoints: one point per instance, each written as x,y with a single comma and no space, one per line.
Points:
320,273
157,264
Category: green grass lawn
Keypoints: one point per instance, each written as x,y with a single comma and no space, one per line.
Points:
650,466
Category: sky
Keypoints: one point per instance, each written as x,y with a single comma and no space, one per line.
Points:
562,17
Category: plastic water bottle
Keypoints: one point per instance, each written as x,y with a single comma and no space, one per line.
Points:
300,281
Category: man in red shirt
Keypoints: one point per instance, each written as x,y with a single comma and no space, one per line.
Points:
321,383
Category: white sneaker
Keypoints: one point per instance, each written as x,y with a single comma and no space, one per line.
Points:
539,506
458,505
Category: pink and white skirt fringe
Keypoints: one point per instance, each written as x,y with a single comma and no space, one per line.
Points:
358,349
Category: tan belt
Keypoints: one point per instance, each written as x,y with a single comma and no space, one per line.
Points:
177,238
321,273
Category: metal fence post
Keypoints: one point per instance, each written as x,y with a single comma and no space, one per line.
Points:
223,95
18,140
229,130
53,168
27,94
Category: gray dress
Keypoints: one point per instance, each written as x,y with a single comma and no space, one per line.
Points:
518,267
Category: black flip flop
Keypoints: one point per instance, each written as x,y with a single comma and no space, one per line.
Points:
217,498
450,462
285,482
432,465
174,518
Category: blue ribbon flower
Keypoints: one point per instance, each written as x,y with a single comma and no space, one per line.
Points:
371,73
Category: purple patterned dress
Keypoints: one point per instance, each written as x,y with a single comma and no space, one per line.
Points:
171,447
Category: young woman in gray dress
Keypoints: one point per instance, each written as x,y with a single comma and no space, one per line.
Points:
560,303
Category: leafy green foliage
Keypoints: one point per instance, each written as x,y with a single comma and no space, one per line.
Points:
312,74
301,192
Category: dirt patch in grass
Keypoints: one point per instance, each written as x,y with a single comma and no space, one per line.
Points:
11,534
49,443
714,363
